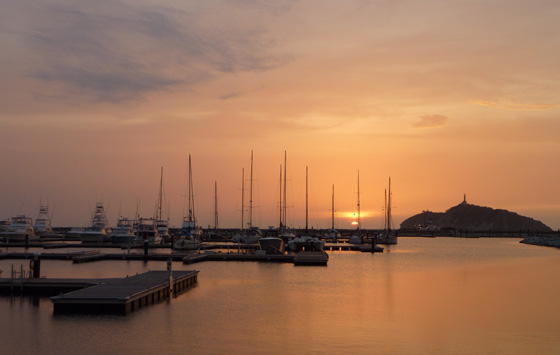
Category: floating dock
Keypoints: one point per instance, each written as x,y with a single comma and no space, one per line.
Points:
125,295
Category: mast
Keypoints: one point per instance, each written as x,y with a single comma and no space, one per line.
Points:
215,205
389,207
359,221
160,200
251,195
306,198
191,196
280,224
332,216
385,212
242,196
284,220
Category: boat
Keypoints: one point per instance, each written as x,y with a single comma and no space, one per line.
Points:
306,242
124,232
332,234
357,238
388,235
283,232
74,232
99,230
42,225
272,244
162,225
189,236
19,230
146,230
4,225
252,234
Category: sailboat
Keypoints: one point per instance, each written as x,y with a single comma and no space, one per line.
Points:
332,233
189,237
357,238
306,242
388,236
283,231
253,234
162,225
275,245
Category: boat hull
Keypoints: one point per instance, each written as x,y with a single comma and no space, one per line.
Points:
272,245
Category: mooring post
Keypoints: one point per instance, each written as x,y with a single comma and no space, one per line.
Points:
37,265
170,274
145,248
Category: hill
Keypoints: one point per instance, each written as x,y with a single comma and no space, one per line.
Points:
474,218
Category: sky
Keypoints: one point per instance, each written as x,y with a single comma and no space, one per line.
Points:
446,98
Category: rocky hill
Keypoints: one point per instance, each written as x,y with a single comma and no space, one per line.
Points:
474,218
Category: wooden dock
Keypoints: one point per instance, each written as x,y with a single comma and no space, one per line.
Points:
46,287
125,295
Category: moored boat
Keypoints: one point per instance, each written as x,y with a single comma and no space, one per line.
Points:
98,231
42,225
19,230
189,237
123,233
147,230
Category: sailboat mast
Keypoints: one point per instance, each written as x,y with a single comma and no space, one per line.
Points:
242,196
191,196
215,205
284,219
389,207
359,221
251,195
160,201
385,212
280,224
332,210
306,198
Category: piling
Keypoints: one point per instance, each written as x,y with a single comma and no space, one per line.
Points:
36,265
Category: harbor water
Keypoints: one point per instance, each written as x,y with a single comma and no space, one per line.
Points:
422,296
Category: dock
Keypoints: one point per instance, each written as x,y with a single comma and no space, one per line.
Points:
125,295
46,287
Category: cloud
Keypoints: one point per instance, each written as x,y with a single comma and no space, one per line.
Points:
516,106
432,121
118,52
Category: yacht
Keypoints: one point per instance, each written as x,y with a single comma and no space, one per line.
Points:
42,224
123,233
147,230
20,229
98,231
388,235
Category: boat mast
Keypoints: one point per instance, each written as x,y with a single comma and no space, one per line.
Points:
306,198
191,197
389,207
359,221
284,221
242,196
385,212
251,195
332,216
215,205
280,224
160,200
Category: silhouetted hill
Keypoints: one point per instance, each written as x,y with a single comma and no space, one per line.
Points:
474,218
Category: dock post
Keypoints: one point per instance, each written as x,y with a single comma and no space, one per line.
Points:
146,249
37,265
26,241
170,273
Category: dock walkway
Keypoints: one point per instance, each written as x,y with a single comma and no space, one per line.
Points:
125,295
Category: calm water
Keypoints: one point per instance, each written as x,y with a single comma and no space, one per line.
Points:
423,296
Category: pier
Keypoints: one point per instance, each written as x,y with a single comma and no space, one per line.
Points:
125,295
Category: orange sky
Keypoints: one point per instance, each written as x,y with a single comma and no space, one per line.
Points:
444,98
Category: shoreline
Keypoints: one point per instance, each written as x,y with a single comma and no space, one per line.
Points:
542,241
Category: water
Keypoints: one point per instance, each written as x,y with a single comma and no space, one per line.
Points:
422,296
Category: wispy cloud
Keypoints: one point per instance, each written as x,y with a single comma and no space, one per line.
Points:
117,52
516,106
431,121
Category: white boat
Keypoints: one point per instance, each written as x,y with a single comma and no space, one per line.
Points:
42,225
189,237
123,233
146,230
20,229
358,237
98,231
252,234
272,245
